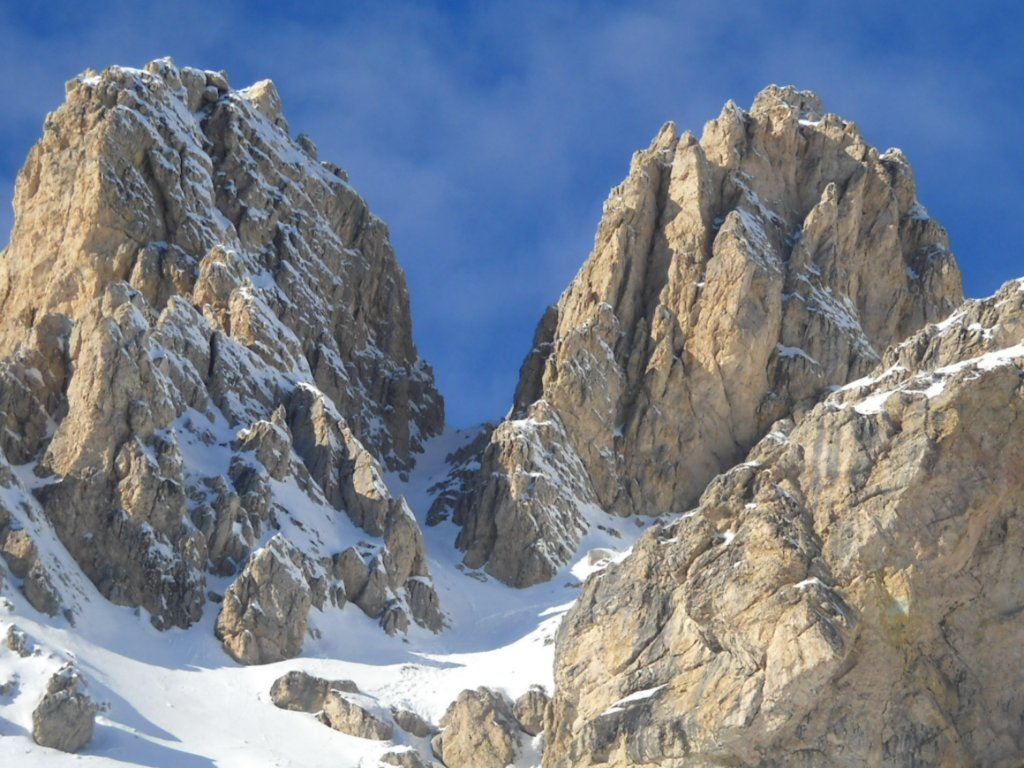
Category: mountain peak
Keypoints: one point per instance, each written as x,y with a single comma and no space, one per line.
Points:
201,325
805,104
734,281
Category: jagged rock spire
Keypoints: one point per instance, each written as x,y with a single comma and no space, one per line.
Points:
205,340
733,281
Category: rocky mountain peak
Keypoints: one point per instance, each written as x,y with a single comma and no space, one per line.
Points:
203,332
788,99
169,181
734,281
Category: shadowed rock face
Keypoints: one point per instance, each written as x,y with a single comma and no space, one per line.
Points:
849,595
199,320
733,281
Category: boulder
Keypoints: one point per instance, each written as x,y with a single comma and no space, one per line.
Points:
65,717
412,723
479,731
19,552
18,641
40,592
357,715
265,611
302,692
404,758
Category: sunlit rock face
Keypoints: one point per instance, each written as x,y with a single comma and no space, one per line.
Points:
849,595
734,280
205,340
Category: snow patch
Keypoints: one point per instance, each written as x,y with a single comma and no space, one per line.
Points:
633,698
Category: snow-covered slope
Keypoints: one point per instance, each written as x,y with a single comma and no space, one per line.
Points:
174,698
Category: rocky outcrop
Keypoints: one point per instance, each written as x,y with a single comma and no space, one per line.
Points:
205,338
479,731
339,704
65,718
265,611
19,552
357,715
302,692
17,641
734,280
404,758
529,709
412,723
849,595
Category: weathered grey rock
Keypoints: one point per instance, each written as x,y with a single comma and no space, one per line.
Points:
357,715
412,723
479,731
265,611
40,592
463,464
846,596
374,597
302,692
394,619
19,552
529,709
424,604
271,442
404,758
18,641
65,717
172,242
349,567
733,281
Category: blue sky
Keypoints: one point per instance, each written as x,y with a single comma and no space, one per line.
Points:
487,135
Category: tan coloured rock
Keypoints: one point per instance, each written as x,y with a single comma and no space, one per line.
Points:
479,731
529,709
847,596
357,715
272,444
65,718
21,555
302,692
18,551
180,268
17,641
733,281
412,723
350,477
40,592
404,758
266,609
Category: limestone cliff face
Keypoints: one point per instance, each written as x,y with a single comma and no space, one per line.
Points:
199,320
849,595
733,281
